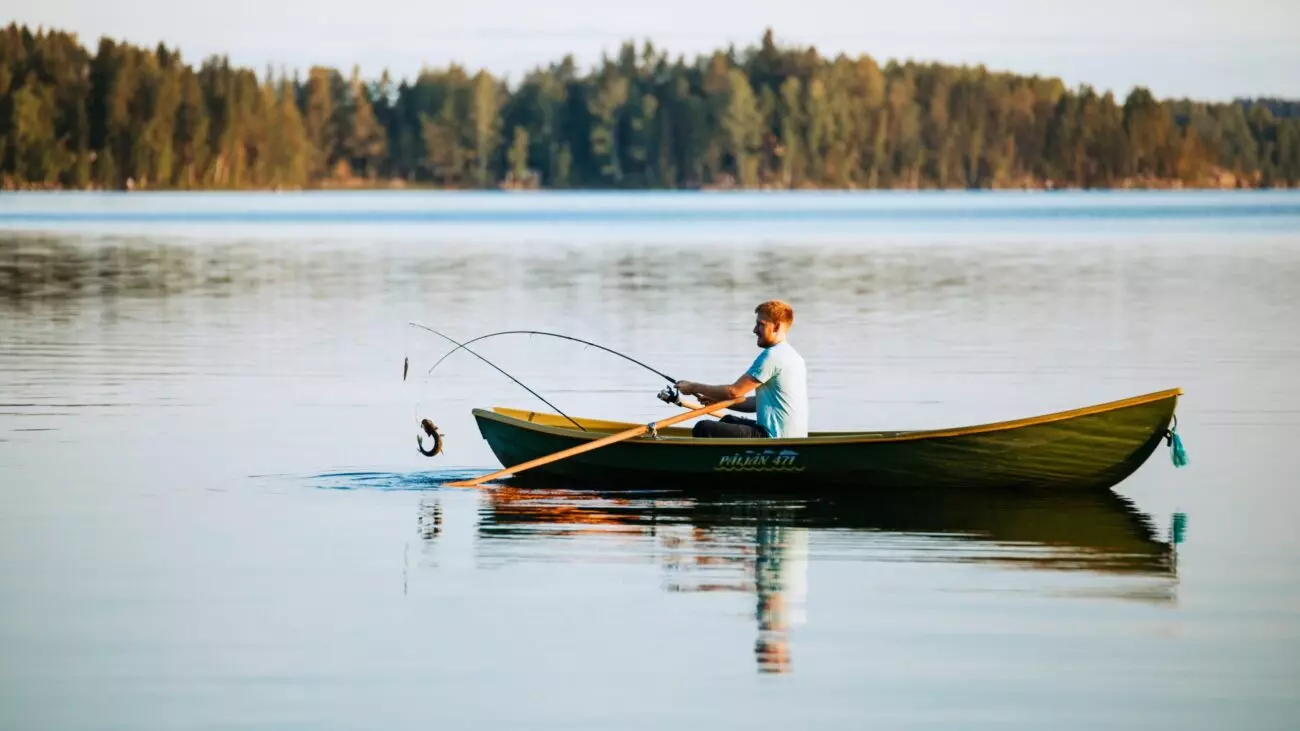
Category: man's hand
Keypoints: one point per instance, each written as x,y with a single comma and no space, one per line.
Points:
688,388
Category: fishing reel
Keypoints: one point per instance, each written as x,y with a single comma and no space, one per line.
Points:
430,430
670,395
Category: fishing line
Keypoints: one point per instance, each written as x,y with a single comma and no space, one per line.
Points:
611,351
461,346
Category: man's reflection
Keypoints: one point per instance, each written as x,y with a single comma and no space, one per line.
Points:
781,588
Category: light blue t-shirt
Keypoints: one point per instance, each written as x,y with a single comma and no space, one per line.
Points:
782,395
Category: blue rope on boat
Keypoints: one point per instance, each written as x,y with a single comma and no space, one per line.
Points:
1178,454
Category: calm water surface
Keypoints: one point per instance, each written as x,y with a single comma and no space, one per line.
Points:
213,515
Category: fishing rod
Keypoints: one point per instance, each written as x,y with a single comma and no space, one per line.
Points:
461,346
611,351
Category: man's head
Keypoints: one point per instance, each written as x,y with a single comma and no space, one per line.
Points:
773,322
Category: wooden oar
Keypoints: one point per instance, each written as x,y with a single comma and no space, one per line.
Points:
597,444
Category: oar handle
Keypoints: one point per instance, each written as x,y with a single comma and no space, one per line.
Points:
596,444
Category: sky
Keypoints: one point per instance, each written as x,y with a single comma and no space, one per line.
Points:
1204,49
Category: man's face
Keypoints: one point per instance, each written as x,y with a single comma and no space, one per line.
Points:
768,332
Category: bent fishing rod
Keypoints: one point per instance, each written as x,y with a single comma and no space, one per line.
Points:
611,351
669,394
499,369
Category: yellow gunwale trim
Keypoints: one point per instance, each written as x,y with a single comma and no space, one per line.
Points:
523,419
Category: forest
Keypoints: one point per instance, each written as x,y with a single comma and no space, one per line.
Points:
767,116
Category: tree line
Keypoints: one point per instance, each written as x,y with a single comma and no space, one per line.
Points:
766,116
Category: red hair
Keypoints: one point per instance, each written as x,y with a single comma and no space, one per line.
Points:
776,311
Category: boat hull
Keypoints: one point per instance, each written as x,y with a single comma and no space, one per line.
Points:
1090,448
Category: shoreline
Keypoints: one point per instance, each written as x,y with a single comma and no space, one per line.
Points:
1148,188
400,185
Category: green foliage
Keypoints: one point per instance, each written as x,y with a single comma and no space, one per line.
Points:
363,141
129,117
742,126
518,156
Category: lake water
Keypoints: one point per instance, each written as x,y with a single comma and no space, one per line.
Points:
213,514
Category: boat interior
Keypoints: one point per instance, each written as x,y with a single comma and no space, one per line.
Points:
602,426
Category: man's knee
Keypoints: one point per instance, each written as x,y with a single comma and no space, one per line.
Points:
729,427
703,429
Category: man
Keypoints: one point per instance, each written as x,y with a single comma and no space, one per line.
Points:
778,374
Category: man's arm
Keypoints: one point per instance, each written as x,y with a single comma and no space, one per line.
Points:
713,394
748,406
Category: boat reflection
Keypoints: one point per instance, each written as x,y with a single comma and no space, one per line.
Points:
738,542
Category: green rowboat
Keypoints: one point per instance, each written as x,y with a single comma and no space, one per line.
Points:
1090,448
